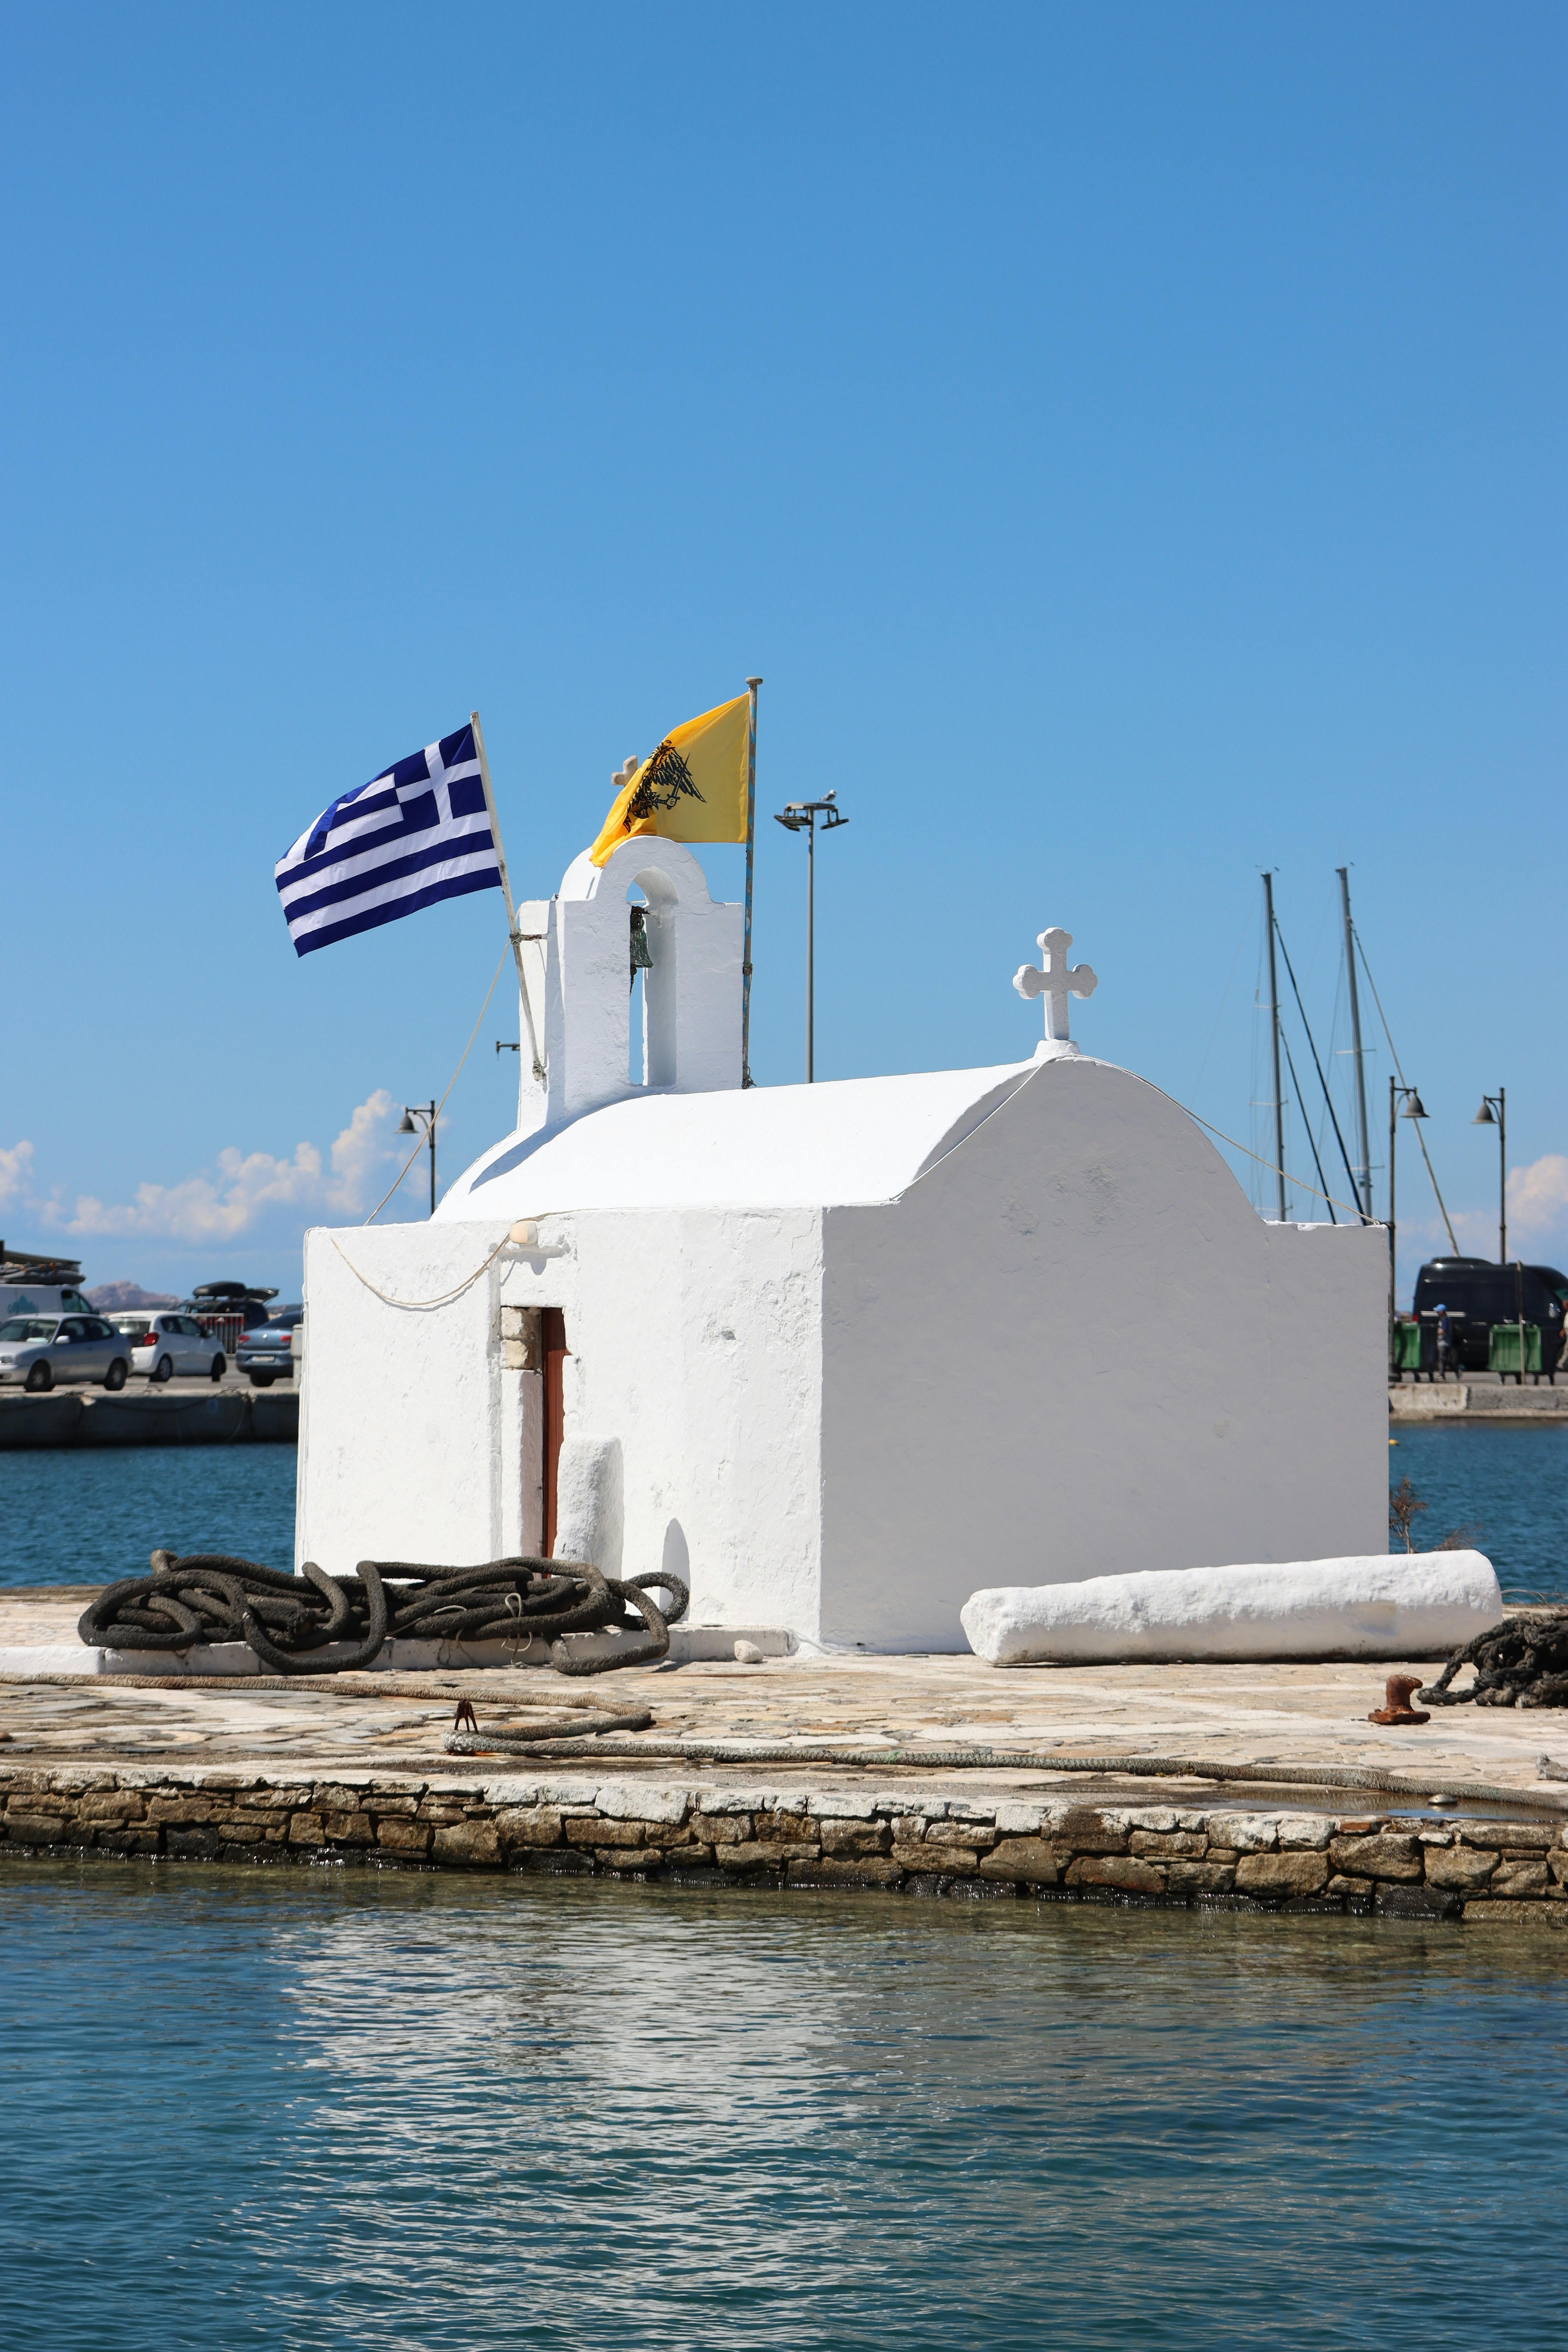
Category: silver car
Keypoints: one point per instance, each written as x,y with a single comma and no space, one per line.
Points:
161,1345
39,1349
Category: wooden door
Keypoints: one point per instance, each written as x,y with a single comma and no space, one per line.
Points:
552,1349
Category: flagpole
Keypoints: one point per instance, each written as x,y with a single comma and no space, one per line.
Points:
512,931
752,685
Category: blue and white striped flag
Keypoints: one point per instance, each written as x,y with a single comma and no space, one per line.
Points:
418,833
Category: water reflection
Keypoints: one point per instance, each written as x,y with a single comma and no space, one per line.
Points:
307,2108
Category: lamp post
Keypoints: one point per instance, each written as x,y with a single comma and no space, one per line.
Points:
1493,1112
801,816
1412,1107
427,1111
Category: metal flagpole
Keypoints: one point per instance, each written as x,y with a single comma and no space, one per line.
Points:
1392,1260
512,933
1363,1172
752,685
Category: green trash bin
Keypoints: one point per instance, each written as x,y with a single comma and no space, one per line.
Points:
1407,1347
1503,1354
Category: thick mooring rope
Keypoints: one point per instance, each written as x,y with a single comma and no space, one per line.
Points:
544,1750
1524,1661
292,1621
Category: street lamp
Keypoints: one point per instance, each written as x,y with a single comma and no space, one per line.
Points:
1412,1107
427,1111
1493,1112
801,816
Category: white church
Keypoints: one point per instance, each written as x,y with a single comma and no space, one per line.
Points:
837,1354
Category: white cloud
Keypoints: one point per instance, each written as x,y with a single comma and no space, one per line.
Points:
1536,1219
16,1173
1538,1202
241,1192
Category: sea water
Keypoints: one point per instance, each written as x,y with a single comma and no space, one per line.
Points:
307,2108
88,1515
1504,1490
70,1518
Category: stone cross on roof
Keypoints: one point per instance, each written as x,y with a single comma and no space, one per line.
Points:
1056,981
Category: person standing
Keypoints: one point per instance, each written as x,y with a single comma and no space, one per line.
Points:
1443,1343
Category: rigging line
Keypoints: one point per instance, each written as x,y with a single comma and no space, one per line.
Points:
451,1084
1257,1155
1393,1057
1306,1025
1311,1139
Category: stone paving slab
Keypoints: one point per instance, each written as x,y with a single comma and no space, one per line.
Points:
1286,1714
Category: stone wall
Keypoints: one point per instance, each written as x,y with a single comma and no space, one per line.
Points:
1506,1872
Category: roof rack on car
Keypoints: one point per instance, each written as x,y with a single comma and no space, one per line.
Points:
29,1265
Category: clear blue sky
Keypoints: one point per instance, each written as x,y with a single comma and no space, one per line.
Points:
1129,442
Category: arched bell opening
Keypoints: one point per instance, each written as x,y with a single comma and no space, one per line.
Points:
652,905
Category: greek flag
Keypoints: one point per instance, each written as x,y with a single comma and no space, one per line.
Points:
418,833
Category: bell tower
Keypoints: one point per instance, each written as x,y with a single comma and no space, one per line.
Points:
647,909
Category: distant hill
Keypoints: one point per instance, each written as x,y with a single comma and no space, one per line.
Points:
111,1297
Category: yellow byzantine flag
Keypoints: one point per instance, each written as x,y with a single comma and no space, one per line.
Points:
693,788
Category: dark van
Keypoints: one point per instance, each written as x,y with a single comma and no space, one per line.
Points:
1484,1293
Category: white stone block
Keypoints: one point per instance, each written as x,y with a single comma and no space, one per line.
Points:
633,1800
1310,1830
1244,1832
1397,1605
841,1805
590,1522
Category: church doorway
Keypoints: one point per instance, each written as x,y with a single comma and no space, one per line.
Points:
553,1354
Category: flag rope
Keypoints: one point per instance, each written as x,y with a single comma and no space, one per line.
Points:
451,1084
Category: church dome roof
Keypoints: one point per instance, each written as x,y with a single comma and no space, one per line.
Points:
828,1145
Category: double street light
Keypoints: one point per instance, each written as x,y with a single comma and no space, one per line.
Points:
426,1111
803,816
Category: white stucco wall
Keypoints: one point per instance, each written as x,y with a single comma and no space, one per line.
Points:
694,1338
405,1447
1072,1348
1069,1348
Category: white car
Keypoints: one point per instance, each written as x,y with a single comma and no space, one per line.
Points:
164,1343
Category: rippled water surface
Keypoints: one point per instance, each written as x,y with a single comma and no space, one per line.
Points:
317,2109
1508,1486
85,1517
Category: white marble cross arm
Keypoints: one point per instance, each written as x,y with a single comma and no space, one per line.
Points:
1055,982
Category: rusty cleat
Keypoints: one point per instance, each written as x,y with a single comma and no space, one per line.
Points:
1396,1707
465,1719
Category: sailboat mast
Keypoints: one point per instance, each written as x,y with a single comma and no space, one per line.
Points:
1274,1040
1363,1170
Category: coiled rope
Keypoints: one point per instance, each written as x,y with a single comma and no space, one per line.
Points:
1524,1661
293,1623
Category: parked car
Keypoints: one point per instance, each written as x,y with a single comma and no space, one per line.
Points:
39,1349
163,1344
267,1353
1478,1293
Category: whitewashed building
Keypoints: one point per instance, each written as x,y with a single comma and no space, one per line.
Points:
851,1349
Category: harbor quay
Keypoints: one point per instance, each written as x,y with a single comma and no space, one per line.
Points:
193,1412
172,1412
1251,1787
